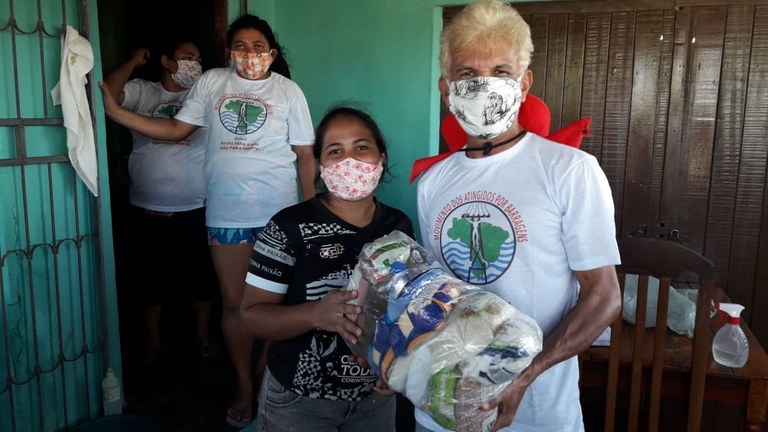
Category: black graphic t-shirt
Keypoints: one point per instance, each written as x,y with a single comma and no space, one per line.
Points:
311,251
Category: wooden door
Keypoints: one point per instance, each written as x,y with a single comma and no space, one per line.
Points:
678,96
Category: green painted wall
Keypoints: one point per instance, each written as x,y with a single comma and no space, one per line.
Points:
381,53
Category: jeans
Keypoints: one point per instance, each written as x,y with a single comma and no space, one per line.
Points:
420,428
282,410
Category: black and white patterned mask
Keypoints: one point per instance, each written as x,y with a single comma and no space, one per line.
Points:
485,106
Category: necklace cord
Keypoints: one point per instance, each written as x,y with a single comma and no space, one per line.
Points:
487,146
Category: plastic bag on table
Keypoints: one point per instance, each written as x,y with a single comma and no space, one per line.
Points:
445,344
681,314
692,294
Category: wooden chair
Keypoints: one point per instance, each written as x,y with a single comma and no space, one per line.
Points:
668,261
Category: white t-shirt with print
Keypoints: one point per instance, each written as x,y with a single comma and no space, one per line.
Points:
165,175
250,127
518,223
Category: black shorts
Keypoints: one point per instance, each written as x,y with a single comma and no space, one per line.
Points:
170,258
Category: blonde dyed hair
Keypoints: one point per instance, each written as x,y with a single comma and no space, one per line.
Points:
493,24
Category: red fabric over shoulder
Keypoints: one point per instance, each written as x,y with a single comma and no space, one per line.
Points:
534,116
573,133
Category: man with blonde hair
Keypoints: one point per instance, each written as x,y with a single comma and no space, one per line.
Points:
524,217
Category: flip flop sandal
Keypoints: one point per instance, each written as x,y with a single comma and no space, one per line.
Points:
240,416
208,351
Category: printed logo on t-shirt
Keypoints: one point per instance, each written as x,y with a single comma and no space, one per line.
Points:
321,373
167,110
335,280
331,250
242,114
478,233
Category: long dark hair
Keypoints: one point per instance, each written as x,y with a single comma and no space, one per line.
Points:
248,21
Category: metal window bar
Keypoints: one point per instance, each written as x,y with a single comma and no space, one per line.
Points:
91,339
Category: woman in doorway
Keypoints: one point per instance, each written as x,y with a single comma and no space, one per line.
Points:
257,125
167,195
295,295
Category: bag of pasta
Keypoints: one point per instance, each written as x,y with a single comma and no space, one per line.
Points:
445,344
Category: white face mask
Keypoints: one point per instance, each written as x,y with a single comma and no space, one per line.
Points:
187,73
351,179
485,107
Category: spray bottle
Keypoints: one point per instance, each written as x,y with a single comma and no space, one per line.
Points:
730,347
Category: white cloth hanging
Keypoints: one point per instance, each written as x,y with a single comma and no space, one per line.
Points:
76,62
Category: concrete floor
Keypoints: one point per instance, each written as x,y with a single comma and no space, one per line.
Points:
180,391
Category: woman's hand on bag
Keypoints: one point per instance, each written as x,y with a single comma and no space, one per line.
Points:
382,388
331,314
360,360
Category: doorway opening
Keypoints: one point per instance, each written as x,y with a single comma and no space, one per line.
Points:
180,389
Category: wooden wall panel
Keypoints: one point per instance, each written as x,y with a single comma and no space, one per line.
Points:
727,150
574,69
638,177
661,123
556,54
752,173
759,321
618,97
594,83
540,35
557,64
708,27
672,188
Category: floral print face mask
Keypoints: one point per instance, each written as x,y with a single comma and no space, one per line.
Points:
187,73
351,179
251,66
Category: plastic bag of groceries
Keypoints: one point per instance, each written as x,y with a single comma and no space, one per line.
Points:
448,346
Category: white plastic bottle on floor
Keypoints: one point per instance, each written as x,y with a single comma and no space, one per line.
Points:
112,395
730,347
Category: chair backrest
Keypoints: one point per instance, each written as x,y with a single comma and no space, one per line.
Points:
669,262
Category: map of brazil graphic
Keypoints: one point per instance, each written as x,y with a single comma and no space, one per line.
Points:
478,242
242,116
166,110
